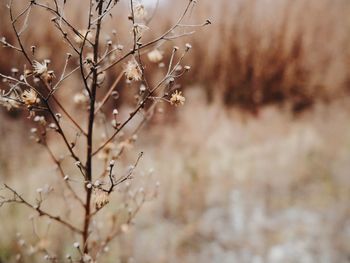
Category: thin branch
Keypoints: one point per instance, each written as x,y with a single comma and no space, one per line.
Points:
19,199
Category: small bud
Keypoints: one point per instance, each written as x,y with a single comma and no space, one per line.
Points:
171,80
14,71
76,244
115,94
115,112
66,177
53,126
142,88
97,183
207,22
188,46
58,115
111,163
88,186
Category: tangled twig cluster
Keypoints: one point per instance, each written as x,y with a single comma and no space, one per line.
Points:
34,88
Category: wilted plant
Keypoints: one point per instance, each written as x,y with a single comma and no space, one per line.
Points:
34,87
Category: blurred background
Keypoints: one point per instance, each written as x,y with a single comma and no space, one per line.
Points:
253,168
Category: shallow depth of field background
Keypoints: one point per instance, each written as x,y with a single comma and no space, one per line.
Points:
254,168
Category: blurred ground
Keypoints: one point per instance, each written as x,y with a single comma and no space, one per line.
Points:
233,188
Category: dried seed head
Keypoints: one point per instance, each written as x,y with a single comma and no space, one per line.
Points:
177,98
155,56
9,103
14,71
139,11
188,46
101,198
53,126
40,68
97,183
40,119
80,99
30,97
133,71
89,58
32,48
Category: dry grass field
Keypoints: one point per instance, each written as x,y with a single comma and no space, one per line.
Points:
253,168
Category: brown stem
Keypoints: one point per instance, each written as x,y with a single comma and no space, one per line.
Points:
90,130
40,211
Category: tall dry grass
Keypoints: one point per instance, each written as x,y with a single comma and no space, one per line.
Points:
258,51
265,51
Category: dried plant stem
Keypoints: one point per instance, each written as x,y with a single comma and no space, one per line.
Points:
108,94
91,128
59,166
19,199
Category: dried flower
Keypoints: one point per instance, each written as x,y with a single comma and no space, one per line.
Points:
139,11
30,97
155,56
177,98
80,99
133,71
39,68
9,103
101,198
40,119
48,76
